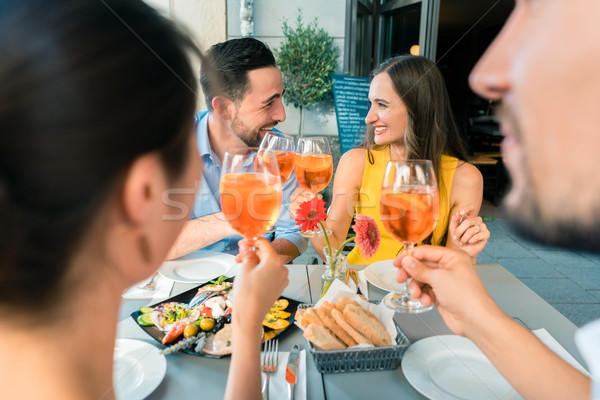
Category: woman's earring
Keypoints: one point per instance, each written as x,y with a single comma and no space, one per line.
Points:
144,247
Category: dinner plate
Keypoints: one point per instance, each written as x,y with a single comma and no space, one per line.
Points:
138,369
198,267
452,367
382,274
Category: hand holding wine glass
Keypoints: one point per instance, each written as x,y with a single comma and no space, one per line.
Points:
251,193
409,207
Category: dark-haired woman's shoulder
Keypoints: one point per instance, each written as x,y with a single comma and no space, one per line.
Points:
467,182
351,167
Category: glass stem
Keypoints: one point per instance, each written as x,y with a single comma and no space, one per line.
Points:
408,247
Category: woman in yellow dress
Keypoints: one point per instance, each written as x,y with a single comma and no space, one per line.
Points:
410,118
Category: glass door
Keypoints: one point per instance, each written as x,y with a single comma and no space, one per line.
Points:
406,26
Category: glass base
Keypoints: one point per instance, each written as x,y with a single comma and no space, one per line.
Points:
314,233
405,303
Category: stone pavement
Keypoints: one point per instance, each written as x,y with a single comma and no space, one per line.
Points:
567,279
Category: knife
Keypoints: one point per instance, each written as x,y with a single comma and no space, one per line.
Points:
292,369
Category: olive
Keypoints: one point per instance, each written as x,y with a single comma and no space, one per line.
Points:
190,330
207,324
228,318
221,320
218,326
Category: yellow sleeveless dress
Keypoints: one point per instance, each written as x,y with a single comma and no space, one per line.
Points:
368,204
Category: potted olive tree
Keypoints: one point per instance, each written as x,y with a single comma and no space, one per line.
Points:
307,59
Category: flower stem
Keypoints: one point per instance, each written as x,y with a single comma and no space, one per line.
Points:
326,238
326,288
341,248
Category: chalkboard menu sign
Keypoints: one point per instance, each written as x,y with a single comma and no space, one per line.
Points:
351,97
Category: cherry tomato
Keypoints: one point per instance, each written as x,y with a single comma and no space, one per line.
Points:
228,311
206,312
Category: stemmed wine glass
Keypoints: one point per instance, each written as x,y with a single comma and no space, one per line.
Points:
250,191
313,167
409,209
283,148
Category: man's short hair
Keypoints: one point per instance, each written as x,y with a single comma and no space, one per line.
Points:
231,62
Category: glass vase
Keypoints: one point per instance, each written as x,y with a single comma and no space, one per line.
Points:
336,268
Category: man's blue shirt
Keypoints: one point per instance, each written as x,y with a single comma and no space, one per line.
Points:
208,198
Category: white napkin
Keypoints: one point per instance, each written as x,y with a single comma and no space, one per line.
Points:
160,292
278,387
553,345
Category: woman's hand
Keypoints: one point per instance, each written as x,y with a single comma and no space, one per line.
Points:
468,232
299,196
447,278
259,284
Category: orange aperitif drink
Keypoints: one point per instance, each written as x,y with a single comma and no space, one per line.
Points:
407,216
409,209
314,171
251,202
285,162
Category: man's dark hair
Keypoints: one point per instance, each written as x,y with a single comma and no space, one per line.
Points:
231,61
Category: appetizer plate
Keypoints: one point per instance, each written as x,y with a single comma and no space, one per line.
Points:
198,267
188,295
382,274
452,367
138,369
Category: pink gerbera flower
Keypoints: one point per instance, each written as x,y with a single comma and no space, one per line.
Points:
367,235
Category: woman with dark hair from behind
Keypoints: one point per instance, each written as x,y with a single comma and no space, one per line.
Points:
97,100
410,118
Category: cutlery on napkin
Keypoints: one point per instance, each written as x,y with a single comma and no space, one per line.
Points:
160,292
279,386
362,284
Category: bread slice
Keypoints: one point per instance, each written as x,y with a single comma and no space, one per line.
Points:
300,317
339,318
322,338
341,303
312,317
367,325
324,312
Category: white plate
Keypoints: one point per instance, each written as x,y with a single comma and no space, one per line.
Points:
452,367
383,275
198,267
138,369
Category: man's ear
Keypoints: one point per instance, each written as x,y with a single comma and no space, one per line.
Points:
223,107
141,186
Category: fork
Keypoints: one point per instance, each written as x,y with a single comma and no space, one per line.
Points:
151,284
269,361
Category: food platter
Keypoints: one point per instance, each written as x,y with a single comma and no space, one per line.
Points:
188,295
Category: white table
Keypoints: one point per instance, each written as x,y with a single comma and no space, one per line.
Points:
191,376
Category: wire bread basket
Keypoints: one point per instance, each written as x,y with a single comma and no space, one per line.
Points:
359,359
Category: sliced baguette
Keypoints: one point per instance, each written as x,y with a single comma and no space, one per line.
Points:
300,317
341,303
324,312
339,318
322,338
367,325
312,317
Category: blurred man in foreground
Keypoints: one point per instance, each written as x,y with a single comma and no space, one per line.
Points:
551,126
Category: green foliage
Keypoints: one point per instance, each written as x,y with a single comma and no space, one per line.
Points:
307,59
